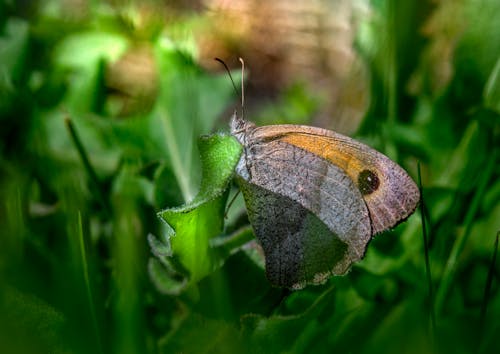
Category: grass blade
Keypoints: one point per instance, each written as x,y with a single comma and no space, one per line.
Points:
87,281
458,246
423,214
86,163
489,282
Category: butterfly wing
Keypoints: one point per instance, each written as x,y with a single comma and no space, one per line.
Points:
315,198
305,211
388,191
299,248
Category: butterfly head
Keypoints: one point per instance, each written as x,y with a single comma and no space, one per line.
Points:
240,127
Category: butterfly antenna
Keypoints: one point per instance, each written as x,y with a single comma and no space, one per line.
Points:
242,87
242,95
230,76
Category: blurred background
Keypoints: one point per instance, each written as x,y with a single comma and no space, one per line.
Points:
101,107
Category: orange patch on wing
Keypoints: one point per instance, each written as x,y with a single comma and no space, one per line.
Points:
331,150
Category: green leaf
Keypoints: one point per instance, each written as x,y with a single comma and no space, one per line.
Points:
197,334
292,333
92,49
164,277
167,191
14,45
188,104
29,324
491,92
13,55
197,222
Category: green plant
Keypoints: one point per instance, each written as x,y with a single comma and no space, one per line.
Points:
85,167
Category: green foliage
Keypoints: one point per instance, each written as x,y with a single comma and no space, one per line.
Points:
86,264
195,224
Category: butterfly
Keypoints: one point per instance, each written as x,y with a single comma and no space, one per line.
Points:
315,198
